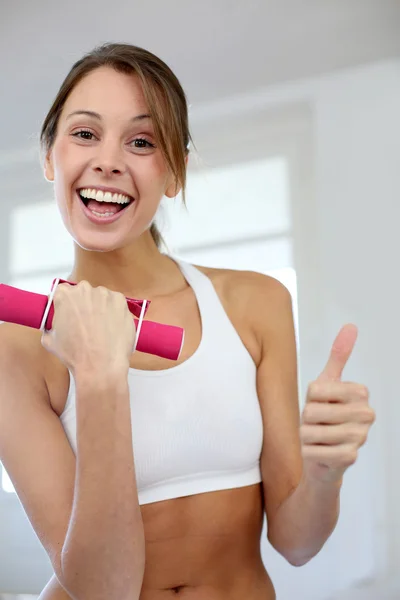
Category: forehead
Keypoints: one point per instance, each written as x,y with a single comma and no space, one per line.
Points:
108,92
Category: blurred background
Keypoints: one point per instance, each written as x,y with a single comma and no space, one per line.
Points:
295,112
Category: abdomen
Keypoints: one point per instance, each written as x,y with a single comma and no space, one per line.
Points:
209,539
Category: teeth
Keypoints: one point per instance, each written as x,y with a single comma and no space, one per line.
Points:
104,196
102,215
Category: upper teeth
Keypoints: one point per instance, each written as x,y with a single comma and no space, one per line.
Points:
104,196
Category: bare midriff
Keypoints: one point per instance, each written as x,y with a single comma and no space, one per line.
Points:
202,547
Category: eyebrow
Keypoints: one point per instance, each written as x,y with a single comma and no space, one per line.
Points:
95,115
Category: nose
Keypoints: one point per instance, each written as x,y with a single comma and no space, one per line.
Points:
109,160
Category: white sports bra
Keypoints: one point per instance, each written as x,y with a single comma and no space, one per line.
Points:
196,427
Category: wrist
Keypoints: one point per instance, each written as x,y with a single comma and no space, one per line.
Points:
330,482
113,377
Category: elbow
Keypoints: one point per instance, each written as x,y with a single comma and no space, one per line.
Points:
298,561
296,558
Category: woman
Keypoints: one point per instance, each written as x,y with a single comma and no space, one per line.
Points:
148,478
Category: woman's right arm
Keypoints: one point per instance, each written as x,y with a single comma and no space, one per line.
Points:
85,511
103,556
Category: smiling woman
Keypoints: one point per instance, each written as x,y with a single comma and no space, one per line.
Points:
147,478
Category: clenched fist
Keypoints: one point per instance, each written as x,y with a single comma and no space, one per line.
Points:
92,329
337,415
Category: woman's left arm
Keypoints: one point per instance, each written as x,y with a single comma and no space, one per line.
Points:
304,456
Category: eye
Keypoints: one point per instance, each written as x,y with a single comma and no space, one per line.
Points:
83,134
142,143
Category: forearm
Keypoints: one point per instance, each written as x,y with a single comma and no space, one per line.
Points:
104,552
305,521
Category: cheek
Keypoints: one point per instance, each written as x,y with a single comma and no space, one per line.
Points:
65,170
63,160
69,160
151,177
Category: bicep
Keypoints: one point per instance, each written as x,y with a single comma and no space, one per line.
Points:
277,386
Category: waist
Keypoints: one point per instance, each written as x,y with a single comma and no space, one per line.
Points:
251,585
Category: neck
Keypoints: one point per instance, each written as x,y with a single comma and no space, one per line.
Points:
137,271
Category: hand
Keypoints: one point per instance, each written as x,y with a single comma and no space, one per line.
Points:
92,329
337,417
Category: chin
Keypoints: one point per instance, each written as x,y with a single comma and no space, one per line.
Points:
100,242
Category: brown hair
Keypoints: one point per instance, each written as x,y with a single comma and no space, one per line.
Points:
163,93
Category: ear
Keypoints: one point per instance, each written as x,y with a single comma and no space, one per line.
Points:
48,167
173,188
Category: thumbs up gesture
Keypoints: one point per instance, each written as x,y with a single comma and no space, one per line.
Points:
337,416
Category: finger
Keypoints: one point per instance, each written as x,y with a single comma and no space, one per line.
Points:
335,457
337,391
320,413
340,353
347,433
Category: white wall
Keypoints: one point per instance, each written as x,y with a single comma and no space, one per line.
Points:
358,125
357,142
346,251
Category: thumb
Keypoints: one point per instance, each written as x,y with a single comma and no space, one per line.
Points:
340,353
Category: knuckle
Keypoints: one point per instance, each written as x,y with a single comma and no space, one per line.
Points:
118,300
363,392
358,435
314,389
102,290
59,294
63,289
367,414
348,458
83,285
119,297
353,435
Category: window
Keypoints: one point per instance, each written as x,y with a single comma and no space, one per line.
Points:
237,217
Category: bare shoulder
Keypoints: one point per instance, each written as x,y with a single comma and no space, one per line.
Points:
244,287
22,344
252,300
21,341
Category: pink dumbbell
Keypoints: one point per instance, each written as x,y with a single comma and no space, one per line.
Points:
37,311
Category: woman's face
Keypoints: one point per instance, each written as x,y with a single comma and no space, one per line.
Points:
113,148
